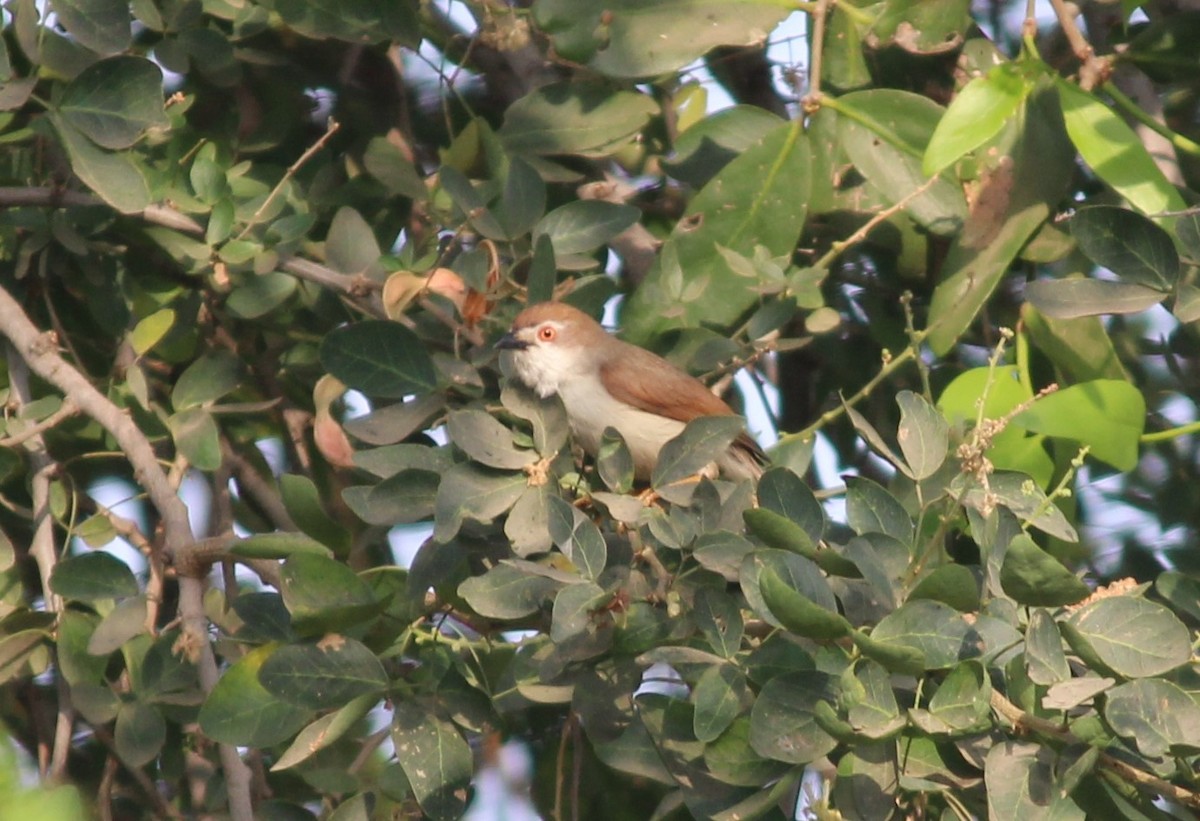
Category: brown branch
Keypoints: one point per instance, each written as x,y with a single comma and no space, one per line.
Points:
40,352
1095,71
263,492
65,411
811,101
43,549
1142,780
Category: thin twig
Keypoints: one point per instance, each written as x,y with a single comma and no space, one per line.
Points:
1095,70
331,128
811,101
65,411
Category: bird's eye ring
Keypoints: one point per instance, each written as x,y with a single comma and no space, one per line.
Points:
546,333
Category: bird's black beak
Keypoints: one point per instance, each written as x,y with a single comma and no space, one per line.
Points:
509,342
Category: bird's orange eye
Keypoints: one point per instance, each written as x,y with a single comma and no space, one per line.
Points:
546,333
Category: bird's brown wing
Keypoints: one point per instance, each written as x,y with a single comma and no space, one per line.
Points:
649,383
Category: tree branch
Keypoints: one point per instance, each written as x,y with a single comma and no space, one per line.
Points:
39,351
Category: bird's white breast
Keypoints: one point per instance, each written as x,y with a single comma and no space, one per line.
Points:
591,408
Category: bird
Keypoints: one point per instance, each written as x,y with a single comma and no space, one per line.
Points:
606,382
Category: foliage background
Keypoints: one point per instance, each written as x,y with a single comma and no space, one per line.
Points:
955,251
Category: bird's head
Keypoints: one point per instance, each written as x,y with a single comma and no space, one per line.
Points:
552,343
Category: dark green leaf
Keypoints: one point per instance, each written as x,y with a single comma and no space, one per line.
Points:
784,492
1128,244
582,226
798,614
471,492
1044,654
575,118
871,509
782,724
952,584
1071,298
139,734
923,435
197,437
379,358
1130,636
573,609
720,621
92,577
435,758
115,101
717,697
936,630
328,673
1158,715
277,546
114,176
240,711
207,379
100,25
1033,577
307,509
632,38
504,592
485,440
577,537
324,595
701,443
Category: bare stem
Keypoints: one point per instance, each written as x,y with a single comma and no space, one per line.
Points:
330,129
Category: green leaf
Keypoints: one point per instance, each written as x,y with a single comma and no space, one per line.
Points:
307,509
871,509
93,577
528,523
798,573
16,650
708,146
717,697
976,115
100,25
798,614
139,734
380,358
524,199
923,435
206,380
124,622
1072,298
350,245
115,101
885,132
329,673
782,491
587,119
435,758
782,722
962,701
1108,415
1017,198
486,440
1158,715
633,38
354,21
1020,784
732,760
150,330
471,492
952,584
505,592
1047,663
935,629
324,731
614,462
719,620
582,226
872,708
702,442
197,437
1111,149
114,176
240,711
573,609
543,272
1033,577
261,295
758,199
76,663
324,595
277,546
402,498
1130,636
1128,244
577,537
386,163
